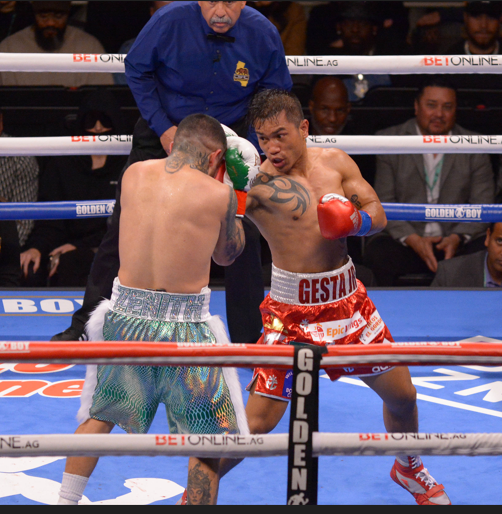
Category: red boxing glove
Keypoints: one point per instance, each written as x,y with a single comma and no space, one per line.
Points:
338,218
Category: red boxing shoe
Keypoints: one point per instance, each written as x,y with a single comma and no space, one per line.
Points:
418,481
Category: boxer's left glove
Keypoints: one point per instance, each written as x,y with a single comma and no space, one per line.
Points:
339,218
242,166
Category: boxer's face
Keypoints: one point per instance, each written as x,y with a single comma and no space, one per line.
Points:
493,244
436,110
282,141
221,16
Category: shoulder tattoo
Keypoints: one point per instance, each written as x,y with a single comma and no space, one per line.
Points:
285,190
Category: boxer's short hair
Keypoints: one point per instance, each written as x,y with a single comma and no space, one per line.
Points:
269,103
201,129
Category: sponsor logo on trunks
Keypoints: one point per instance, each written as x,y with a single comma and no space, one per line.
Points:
326,289
334,330
379,369
241,74
92,209
271,383
374,327
287,389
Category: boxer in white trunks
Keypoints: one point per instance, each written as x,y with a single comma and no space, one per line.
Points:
306,202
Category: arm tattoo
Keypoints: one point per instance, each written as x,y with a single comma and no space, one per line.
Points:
355,200
198,487
234,236
285,190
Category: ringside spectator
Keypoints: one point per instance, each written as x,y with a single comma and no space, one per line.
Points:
63,250
459,178
482,22
51,33
479,269
19,183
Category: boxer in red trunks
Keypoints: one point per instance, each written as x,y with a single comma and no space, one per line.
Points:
306,202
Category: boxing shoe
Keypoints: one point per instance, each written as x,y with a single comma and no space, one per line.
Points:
418,481
70,334
183,500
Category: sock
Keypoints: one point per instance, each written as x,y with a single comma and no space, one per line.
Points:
409,461
72,489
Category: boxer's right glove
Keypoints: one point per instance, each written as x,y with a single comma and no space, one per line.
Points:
339,218
243,164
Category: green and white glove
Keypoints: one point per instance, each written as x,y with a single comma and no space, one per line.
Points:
242,165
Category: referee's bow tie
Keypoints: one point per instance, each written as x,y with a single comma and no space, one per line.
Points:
220,37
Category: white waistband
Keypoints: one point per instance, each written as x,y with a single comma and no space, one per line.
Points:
158,305
313,288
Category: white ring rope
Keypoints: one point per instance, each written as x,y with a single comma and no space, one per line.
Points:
297,64
239,446
355,145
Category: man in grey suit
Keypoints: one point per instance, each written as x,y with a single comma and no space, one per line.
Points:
415,247
480,269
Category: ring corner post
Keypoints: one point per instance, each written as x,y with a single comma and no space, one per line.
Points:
304,421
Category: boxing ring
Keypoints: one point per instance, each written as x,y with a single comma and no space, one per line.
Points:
303,451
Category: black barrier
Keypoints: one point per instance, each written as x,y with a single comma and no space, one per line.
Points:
304,421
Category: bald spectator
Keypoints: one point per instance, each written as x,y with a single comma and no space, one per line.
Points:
329,108
51,34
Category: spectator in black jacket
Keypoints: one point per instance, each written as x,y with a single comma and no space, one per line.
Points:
63,250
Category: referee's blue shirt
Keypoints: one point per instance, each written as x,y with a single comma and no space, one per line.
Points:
174,70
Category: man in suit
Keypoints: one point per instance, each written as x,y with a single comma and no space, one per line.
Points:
480,269
415,247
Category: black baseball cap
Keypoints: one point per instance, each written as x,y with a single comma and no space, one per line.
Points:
492,9
55,6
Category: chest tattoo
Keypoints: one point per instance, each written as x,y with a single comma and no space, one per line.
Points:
285,190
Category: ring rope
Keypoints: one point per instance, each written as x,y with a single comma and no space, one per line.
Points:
394,211
248,356
355,145
240,446
297,64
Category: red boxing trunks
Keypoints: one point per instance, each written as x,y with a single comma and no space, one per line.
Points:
320,309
